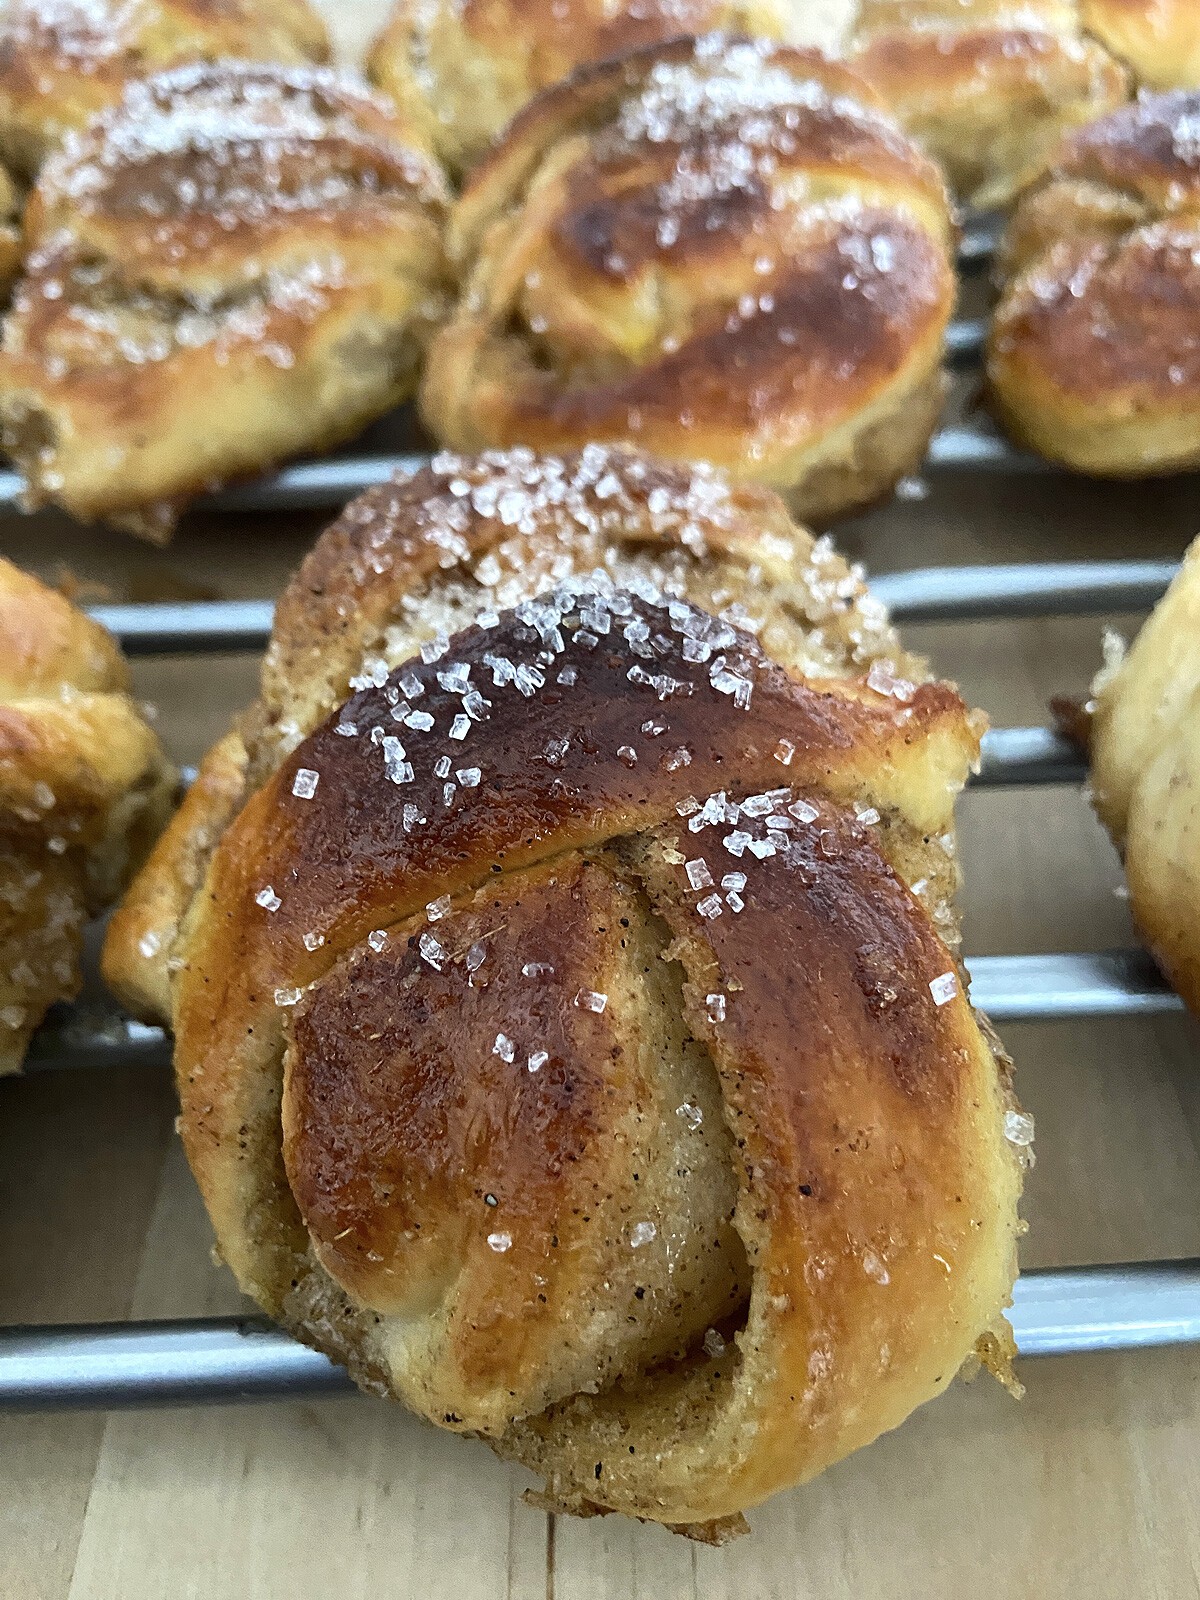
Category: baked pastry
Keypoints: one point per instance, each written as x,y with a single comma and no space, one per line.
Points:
987,87
718,250
10,233
1158,39
84,790
1145,753
1093,358
62,61
461,68
569,1029
235,264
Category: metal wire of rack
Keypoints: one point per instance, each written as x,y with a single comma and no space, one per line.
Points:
1071,1310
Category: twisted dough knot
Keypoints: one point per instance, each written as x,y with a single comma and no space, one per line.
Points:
987,86
1093,358
84,790
63,61
568,1036
1146,774
236,263
717,249
461,70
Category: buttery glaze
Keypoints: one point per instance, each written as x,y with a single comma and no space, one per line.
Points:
84,791
1093,357
570,1035
716,249
233,264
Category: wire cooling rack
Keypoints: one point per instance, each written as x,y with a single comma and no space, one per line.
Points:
1056,1311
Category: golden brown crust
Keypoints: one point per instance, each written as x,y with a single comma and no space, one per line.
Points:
1146,775
444,1002
143,927
869,1178
462,70
235,264
11,249
715,249
84,789
63,61
987,87
1158,39
1091,358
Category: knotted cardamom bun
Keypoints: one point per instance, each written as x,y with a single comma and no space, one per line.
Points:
720,250
1145,748
1158,39
461,70
62,61
84,791
569,1029
987,87
235,264
1093,358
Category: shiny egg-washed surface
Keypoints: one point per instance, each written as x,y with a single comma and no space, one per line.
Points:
1094,352
562,962
84,791
235,264
461,70
721,250
62,61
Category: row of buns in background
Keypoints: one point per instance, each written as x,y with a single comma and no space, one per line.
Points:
725,250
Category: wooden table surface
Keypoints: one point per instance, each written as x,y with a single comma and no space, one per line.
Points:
1089,1487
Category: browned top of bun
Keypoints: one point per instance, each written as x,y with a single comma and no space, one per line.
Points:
199,169
987,87
1103,262
235,263
719,249
61,61
569,1032
464,67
